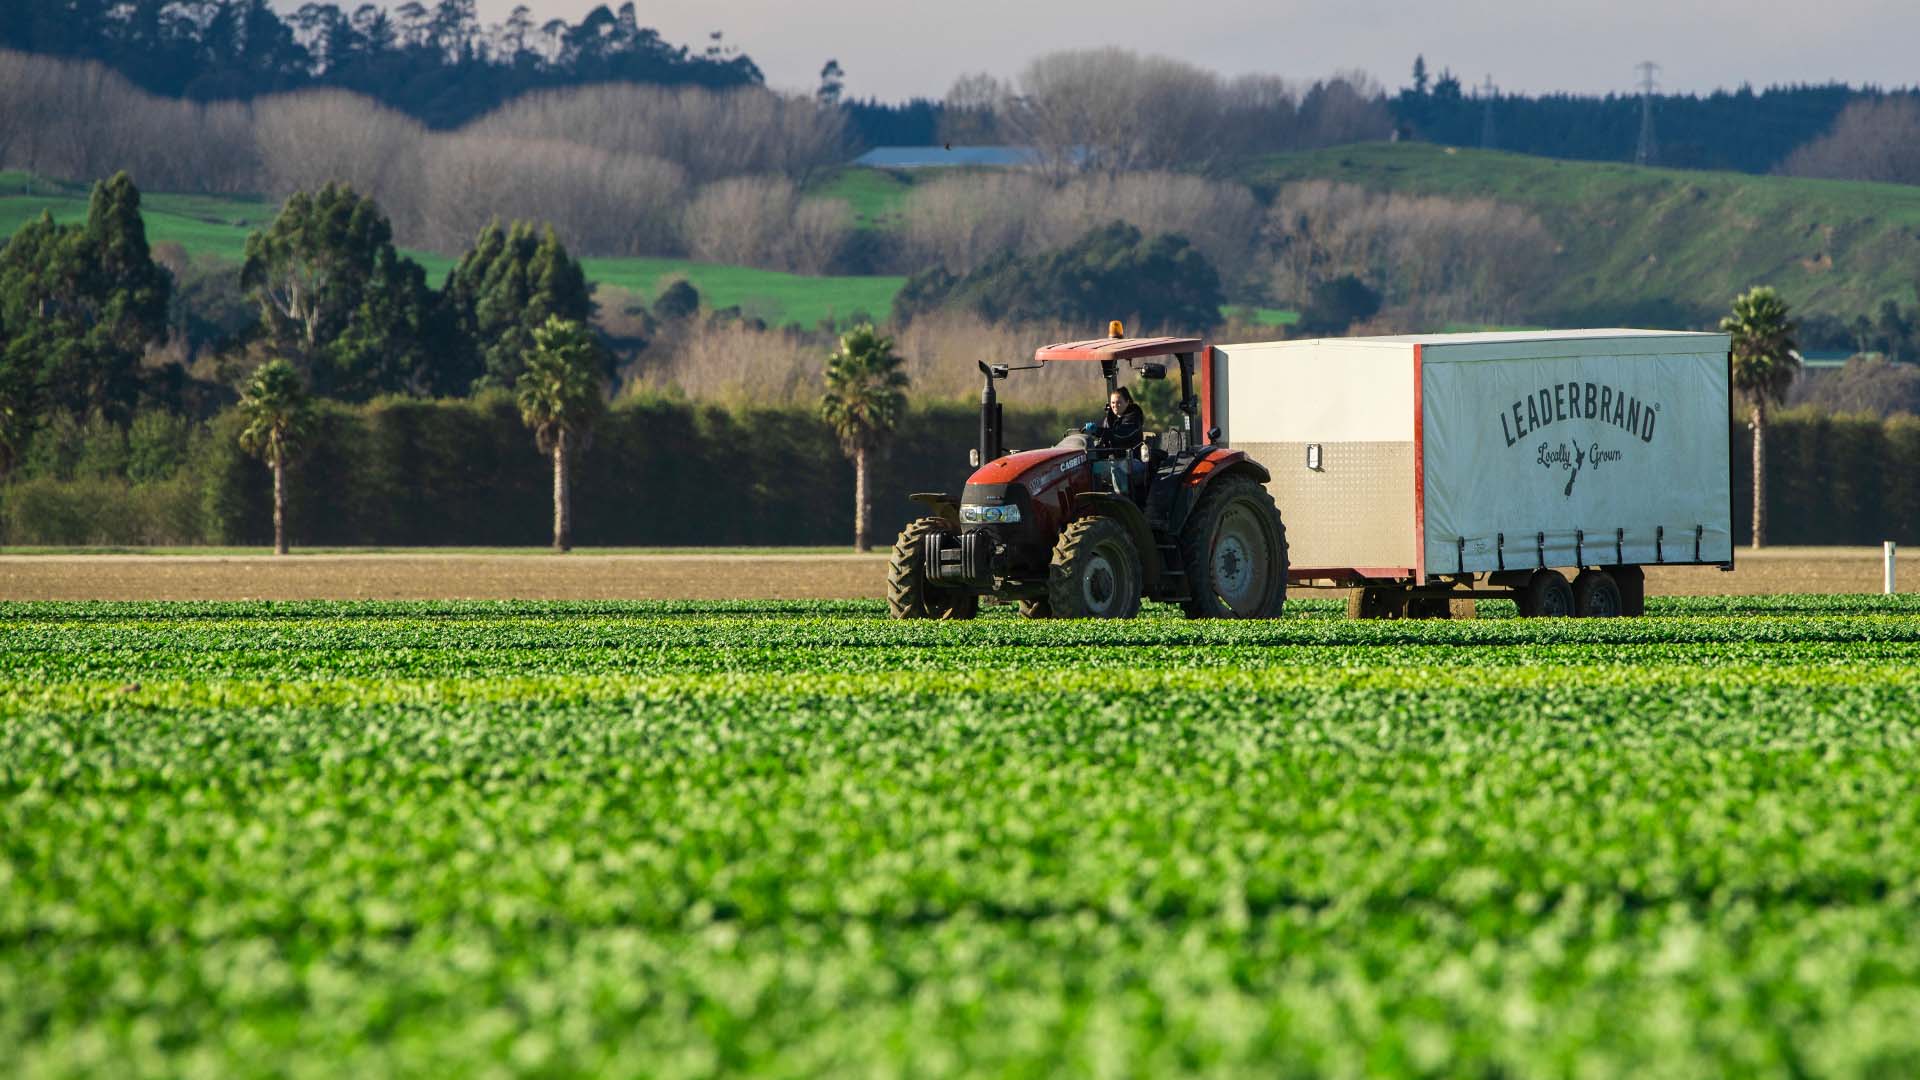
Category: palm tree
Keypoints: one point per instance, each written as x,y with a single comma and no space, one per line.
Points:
560,397
1765,360
279,415
866,394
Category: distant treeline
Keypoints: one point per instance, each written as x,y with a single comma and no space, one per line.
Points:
436,62
1742,130
666,472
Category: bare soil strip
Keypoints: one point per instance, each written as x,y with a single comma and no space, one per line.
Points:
429,575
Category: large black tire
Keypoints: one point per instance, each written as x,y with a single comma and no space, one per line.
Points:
909,595
1633,589
1547,595
1234,548
1597,596
1095,572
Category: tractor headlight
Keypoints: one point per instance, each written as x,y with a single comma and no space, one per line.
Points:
975,513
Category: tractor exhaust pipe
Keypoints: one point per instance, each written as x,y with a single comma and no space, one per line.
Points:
990,430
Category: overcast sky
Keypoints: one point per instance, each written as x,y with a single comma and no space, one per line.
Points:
894,49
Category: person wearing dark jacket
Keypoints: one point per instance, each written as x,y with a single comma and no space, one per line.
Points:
1122,423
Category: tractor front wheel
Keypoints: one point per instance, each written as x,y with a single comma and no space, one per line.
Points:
1095,572
1235,550
909,594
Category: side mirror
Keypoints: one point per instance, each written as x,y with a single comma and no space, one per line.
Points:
1153,371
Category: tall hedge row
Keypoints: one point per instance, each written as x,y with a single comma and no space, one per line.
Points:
1832,479
465,473
409,472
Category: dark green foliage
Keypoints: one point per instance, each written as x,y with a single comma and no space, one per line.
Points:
433,60
1337,304
677,301
335,295
78,306
402,471
1112,272
504,288
405,472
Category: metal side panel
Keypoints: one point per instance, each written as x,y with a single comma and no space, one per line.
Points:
1355,510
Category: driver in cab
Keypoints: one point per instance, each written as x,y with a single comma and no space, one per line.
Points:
1121,425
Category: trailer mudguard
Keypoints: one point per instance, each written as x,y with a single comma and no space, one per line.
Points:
1121,509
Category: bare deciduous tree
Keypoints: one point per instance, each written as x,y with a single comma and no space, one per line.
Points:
1870,140
1110,110
599,203
958,222
1435,257
762,221
313,138
712,134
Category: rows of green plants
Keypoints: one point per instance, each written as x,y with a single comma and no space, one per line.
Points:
790,839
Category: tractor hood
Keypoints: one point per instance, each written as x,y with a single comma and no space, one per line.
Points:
1035,470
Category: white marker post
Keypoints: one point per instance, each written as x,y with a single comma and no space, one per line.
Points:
1887,547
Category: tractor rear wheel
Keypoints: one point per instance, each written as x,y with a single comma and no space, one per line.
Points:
909,594
1235,550
1095,572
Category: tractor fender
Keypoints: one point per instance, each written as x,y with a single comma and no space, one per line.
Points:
1213,465
1121,509
942,504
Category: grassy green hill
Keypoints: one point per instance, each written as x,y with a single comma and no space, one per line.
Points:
1645,246
218,227
1662,245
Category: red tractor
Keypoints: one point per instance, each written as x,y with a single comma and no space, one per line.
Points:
1085,530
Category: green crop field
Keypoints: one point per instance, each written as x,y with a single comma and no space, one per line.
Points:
682,839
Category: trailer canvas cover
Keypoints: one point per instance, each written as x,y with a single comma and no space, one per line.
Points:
1581,447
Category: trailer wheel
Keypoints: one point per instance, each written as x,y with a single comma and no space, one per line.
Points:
1375,602
909,594
1095,573
1547,595
1633,589
1234,548
1596,595
1038,607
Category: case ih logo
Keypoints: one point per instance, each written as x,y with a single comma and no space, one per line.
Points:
1554,404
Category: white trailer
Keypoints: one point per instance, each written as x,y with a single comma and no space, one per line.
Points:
1414,470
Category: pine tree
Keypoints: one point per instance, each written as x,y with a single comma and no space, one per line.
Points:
506,287
79,304
338,298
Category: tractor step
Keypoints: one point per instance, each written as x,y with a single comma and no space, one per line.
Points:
1171,567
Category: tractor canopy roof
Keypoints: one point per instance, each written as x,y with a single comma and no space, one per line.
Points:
1117,348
